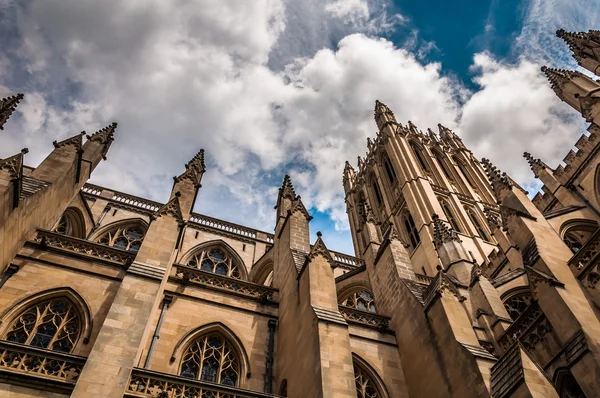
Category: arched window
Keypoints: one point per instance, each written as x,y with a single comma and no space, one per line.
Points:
450,216
376,190
367,385
71,223
419,156
443,166
516,304
411,229
212,359
217,261
125,237
389,169
480,230
461,167
361,300
53,324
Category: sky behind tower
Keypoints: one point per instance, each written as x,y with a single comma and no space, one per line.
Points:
274,87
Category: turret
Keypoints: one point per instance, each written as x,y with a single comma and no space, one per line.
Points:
585,47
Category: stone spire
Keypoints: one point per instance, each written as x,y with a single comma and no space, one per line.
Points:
194,169
499,180
585,47
558,78
442,233
536,164
287,188
104,137
7,107
383,115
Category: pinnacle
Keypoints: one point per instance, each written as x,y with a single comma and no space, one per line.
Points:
442,232
7,107
104,135
197,161
498,179
558,77
287,188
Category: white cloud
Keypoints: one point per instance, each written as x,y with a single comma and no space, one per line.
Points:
258,85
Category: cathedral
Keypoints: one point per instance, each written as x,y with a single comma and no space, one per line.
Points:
460,285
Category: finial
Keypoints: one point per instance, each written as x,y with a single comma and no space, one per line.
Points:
177,194
287,188
319,234
25,151
8,106
442,232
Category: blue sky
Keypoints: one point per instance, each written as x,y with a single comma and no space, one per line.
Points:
274,87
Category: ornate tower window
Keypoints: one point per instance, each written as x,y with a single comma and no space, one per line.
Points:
411,229
376,189
125,238
366,386
361,300
420,158
215,260
53,324
461,167
450,216
212,359
389,169
443,166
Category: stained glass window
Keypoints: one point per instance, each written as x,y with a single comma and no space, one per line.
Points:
361,300
211,358
215,260
125,238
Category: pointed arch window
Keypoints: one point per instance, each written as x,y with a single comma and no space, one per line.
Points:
420,158
443,166
411,229
461,167
376,189
576,236
361,300
53,324
217,261
366,385
71,223
480,230
389,169
450,216
128,237
517,304
211,358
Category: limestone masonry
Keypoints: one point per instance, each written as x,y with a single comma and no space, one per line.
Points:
461,285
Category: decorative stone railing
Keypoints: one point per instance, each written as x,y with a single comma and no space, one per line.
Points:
587,257
346,260
424,278
530,318
81,246
51,366
365,318
225,226
123,198
145,383
231,285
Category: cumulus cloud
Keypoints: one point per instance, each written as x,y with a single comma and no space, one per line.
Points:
267,87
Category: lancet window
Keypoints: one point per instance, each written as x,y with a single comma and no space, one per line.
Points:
70,223
420,159
450,216
215,260
53,324
212,359
411,229
365,385
576,236
480,230
377,190
517,304
389,169
464,173
124,237
443,166
361,300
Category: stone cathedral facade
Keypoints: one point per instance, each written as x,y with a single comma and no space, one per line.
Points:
460,286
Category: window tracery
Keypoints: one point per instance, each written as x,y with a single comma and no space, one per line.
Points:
377,191
464,173
361,300
365,386
389,169
70,223
478,227
125,238
53,324
450,216
212,359
443,166
517,304
419,156
217,261
578,235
